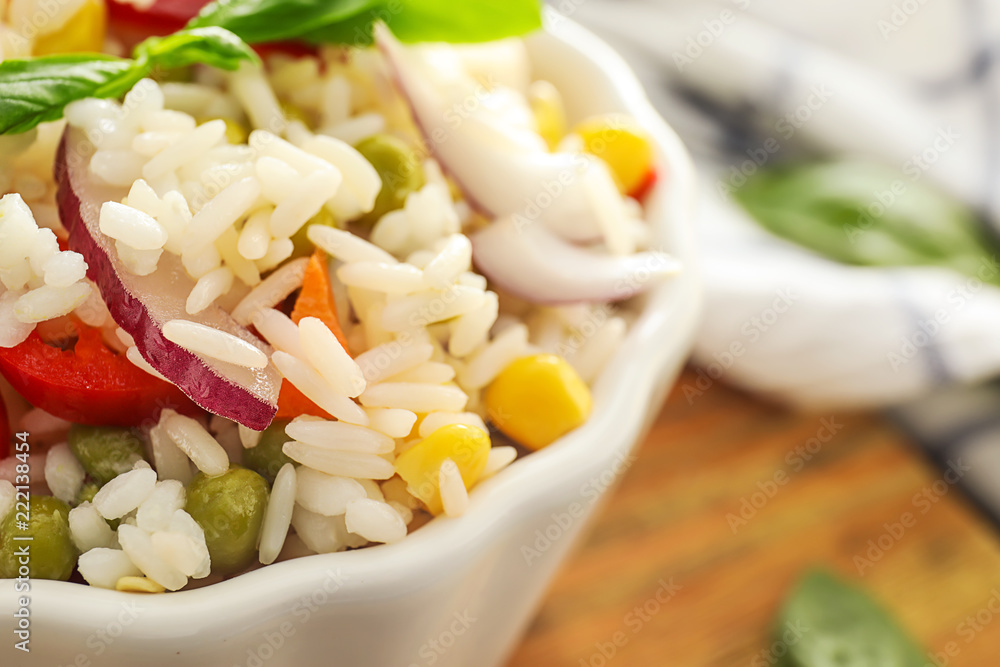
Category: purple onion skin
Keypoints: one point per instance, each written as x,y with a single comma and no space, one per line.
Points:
201,384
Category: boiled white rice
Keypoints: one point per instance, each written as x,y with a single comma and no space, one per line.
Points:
212,342
89,530
197,443
103,567
329,358
414,397
375,521
498,459
278,516
125,492
138,545
63,473
325,494
343,464
393,422
156,512
272,290
454,496
316,389
339,436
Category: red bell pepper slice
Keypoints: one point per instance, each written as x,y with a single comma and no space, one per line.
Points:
5,433
163,17
88,384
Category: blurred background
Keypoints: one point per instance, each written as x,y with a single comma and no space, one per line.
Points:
839,413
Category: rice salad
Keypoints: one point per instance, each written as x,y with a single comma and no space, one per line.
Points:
300,305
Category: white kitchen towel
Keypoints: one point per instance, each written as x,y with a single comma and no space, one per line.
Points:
909,83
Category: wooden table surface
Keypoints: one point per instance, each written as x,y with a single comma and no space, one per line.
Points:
669,576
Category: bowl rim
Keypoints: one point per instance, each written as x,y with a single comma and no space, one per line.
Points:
657,342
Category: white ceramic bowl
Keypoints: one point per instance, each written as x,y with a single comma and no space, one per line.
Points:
458,592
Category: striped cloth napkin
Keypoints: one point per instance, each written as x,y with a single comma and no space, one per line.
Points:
909,83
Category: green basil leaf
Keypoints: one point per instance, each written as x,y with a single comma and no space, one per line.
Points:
210,46
350,21
37,90
867,215
463,22
258,21
827,622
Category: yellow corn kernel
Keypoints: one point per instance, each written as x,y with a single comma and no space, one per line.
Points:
623,145
295,112
236,132
84,32
547,107
138,585
467,446
537,399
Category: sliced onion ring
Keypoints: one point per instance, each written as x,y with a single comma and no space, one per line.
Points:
532,263
142,304
500,173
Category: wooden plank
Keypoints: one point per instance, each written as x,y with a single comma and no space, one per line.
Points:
675,522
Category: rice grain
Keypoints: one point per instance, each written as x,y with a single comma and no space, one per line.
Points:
325,494
316,389
214,343
340,464
414,397
125,492
375,521
272,291
454,495
197,443
329,358
339,436
278,515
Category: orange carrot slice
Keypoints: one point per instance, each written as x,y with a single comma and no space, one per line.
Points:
314,300
293,403
316,297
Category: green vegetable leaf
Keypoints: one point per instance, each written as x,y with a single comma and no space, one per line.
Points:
350,21
210,46
448,21
258,21
37,90
826,622
868,215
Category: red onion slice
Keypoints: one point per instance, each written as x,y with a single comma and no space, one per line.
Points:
499,174
141,305
531,262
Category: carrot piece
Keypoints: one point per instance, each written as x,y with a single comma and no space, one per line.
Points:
316,297
315,300
293,403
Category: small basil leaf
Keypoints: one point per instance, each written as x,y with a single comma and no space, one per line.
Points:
37,90
827,622
350,21
448,21
210,46
258,21
868,215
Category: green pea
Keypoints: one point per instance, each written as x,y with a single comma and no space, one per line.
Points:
87,493
301,244
50,552
230,509
105,451
267,458
400,169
